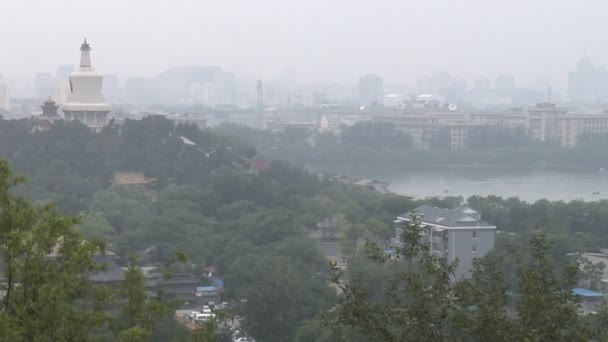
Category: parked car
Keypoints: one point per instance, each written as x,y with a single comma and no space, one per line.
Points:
192,314
243,339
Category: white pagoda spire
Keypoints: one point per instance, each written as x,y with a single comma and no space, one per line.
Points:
85,56
85,102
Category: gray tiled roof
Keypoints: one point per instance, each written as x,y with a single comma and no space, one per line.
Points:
114,273
458,217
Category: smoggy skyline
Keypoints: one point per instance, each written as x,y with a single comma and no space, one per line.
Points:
321,40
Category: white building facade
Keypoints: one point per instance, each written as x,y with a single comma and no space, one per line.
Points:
5,103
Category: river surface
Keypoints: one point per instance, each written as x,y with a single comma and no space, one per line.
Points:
528,185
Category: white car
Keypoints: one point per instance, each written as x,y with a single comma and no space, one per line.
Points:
243,339
202,317
193,314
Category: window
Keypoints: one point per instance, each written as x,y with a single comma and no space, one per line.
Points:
474,235
474,248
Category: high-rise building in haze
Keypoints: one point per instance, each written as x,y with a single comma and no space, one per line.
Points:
441,81
111,88
482,83
260,102
371,90
424,85
62,83
225,87
588,83
5,103
505,85
64,71
44,84
85,102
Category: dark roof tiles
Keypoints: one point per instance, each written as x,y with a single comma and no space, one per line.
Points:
459,217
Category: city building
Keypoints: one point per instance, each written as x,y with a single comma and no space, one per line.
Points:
550,123
5,102
62,83
481,83
111,88
64,71
590,301
505,85
85,101
371,90
588,83
224,88
45,85
451,234
200,120
429,117
260,103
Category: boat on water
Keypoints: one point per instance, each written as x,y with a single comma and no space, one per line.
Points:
596,192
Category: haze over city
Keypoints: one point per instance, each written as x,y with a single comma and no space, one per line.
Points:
401,40
303,171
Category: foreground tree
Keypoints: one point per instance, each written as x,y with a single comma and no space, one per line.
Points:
46,295
279,297
547,309
415,304
423,301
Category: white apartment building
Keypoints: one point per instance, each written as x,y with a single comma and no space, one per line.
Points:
5,103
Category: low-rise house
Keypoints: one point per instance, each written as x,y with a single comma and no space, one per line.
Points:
181,286
208,295
590,301
137,179
113,274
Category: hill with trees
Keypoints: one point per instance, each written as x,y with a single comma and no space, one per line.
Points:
255,229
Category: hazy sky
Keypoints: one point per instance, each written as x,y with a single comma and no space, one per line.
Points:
321,39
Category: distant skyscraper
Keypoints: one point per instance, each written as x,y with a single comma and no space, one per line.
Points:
224,87
482,83
260,102
441,82
424,85
588,83
111,87
45,85
142,91
371,90
64,71
85,102
5,103
505,84
62,83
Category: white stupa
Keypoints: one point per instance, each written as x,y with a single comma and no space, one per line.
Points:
85,101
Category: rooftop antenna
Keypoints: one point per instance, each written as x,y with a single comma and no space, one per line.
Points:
549,95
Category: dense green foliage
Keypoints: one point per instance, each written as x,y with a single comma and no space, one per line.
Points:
70,163
255,229
574,225
205,201
422,301
487,146
376,135
46,268
489,137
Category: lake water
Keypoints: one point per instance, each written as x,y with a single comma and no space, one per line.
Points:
529,185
